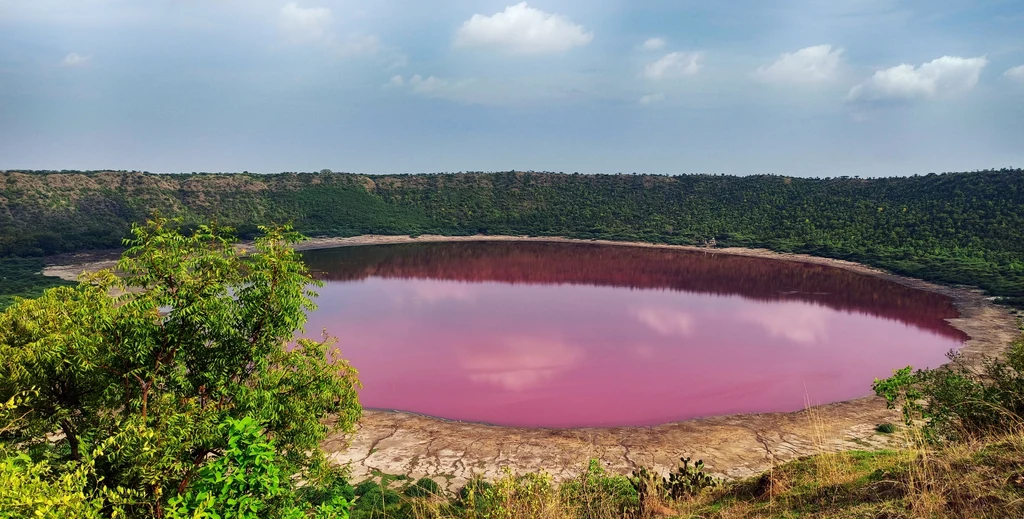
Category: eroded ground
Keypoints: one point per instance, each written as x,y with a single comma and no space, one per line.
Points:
731,446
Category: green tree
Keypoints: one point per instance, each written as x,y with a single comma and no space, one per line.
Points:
192,334
244,482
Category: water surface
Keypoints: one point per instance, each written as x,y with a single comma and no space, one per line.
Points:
566,335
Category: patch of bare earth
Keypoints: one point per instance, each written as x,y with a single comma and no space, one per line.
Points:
731,446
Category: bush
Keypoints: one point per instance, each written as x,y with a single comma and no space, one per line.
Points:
425,487
528,495
380,502
332,485
597,493
245,483
686,480
959,401
363,487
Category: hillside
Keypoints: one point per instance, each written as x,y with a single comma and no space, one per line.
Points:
956,228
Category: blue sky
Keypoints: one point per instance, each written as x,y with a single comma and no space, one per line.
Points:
810,88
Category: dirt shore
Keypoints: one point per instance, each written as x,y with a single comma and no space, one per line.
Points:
731,446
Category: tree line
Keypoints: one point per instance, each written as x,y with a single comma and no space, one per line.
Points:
953,227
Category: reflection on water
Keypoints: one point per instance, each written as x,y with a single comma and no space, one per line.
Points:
551,334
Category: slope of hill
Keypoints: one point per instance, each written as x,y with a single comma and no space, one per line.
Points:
956,228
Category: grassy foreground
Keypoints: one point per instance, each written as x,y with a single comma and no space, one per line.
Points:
982,478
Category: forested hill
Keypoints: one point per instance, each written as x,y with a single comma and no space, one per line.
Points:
954,227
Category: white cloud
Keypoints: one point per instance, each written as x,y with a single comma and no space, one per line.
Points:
75,60
944,76
430,85
520,363
397,60
665,321
496,90
674,64
305,24
808,65
429,291
441,88
522,29
802,323
1015,73
396,80
653,44
650,99
360,45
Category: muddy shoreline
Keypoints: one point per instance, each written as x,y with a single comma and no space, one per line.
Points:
731,446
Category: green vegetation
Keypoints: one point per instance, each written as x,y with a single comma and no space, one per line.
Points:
22,277
965,228
960,401
979,478
594,493
244,482
170,391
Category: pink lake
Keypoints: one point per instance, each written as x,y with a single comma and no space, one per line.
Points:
577,335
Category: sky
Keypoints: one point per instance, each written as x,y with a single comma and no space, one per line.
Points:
792,87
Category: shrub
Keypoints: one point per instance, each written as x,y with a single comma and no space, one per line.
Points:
687,480
244,483
597,493
365,486
331,485
528,495
959,401
424,487
380,502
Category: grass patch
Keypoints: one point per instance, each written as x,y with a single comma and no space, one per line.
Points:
975,479
22,277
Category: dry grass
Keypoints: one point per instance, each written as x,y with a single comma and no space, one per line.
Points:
832,467
973,479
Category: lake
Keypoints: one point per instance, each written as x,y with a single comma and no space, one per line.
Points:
540,334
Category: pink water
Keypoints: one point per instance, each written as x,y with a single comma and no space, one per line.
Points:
562,335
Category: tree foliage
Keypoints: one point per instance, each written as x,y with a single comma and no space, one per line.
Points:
244,482
191,338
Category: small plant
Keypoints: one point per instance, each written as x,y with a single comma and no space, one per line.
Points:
885,428
424,487
363,487
901,391
686,480
331,485
380,502
598,493
509,497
